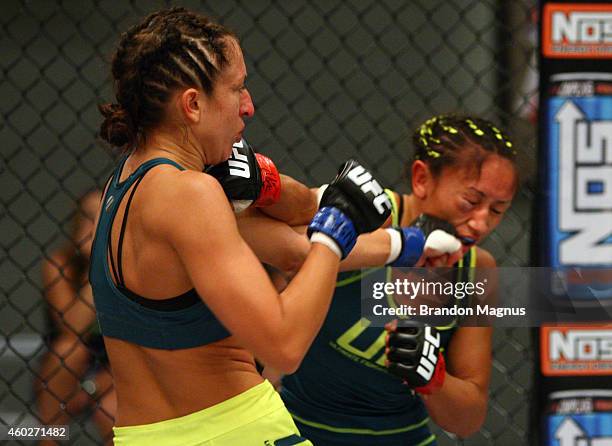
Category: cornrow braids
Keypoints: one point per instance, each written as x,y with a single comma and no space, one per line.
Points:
169,49
441,141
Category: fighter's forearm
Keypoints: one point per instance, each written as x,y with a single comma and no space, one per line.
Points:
371,250
297,204
273,241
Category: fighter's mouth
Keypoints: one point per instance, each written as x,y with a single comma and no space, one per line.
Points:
467,240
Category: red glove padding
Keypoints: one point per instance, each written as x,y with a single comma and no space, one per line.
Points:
270,179
437,380
413,354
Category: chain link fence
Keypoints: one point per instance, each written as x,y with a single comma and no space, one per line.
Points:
330,79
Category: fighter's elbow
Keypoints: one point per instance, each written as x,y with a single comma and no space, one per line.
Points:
472,425
287,361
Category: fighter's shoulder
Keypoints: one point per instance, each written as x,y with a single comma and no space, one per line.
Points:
183,186
178,195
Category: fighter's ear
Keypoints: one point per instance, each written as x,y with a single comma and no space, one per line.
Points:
191,105
422,179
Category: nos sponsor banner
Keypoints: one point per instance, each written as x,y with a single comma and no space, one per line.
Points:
576,350
577,30
579,220
579,418
574,215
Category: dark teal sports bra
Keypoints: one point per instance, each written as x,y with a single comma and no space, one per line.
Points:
175,323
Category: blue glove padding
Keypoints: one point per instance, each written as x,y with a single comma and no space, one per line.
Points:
335,224
413,243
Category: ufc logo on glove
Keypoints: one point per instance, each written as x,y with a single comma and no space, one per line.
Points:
239,163
429,358
367,183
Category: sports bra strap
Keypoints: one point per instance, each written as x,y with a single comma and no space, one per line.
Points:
120,280
135,177
141,170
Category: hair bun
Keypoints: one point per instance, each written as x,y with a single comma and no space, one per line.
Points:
117,128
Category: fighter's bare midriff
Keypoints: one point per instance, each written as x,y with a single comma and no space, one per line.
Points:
149,389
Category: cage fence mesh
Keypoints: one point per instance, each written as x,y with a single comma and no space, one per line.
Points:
330,79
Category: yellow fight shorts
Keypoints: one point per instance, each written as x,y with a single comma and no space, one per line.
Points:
256,417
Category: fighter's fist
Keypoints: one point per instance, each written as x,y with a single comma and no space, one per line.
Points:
353,203
425,233
413,354
248,178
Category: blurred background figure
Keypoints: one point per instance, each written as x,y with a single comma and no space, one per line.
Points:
74,376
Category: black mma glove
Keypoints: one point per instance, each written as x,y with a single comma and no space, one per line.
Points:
353,203
413,354
248,178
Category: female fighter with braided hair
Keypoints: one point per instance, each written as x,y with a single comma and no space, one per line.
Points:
345,391
183,366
